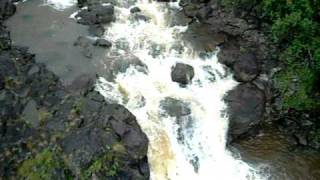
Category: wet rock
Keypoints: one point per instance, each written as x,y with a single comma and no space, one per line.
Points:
140,17
7,8
229,53
7,67
174,107
246,68
182,73
34,69
246,105
203,13
30,114
96,30
125,125
121,64
4,38
202,38
96,14
135,10
103,43
81,3
83,146
81,83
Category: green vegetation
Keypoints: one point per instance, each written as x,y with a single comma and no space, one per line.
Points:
78,106
44,115
294,27
42,167
107,165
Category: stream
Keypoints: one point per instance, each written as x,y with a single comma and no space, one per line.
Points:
186,125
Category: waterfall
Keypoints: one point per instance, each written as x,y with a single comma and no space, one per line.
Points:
191,145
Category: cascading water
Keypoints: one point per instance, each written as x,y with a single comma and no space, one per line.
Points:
60,4
189,147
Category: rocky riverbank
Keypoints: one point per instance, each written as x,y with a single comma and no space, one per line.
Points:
249,53
51,131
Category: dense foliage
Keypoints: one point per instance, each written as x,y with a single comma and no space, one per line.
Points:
294,27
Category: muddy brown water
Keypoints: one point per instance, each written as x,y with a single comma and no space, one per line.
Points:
285,163
51,34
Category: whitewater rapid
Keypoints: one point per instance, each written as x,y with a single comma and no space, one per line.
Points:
185,148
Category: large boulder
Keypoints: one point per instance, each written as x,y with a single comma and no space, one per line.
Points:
246,105
96,14
182,73
246,68
112,137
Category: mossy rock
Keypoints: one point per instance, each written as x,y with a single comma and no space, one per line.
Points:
44,166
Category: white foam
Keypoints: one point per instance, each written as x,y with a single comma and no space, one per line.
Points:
60,5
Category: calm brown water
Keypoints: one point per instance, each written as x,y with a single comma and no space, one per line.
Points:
286,164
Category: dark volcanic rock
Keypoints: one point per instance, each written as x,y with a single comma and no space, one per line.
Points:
96,14
246,105
7,8
103,43
82,146
135,9
121,64
7,67
174,107
4,38
229,53
126,127
81,83
182,73
246,68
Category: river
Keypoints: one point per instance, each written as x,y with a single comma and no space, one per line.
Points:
182,146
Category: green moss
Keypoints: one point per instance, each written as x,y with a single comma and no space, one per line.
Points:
78,106
42,167
44,115
9,82
107,166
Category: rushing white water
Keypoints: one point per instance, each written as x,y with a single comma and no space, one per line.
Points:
195,148
60,4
